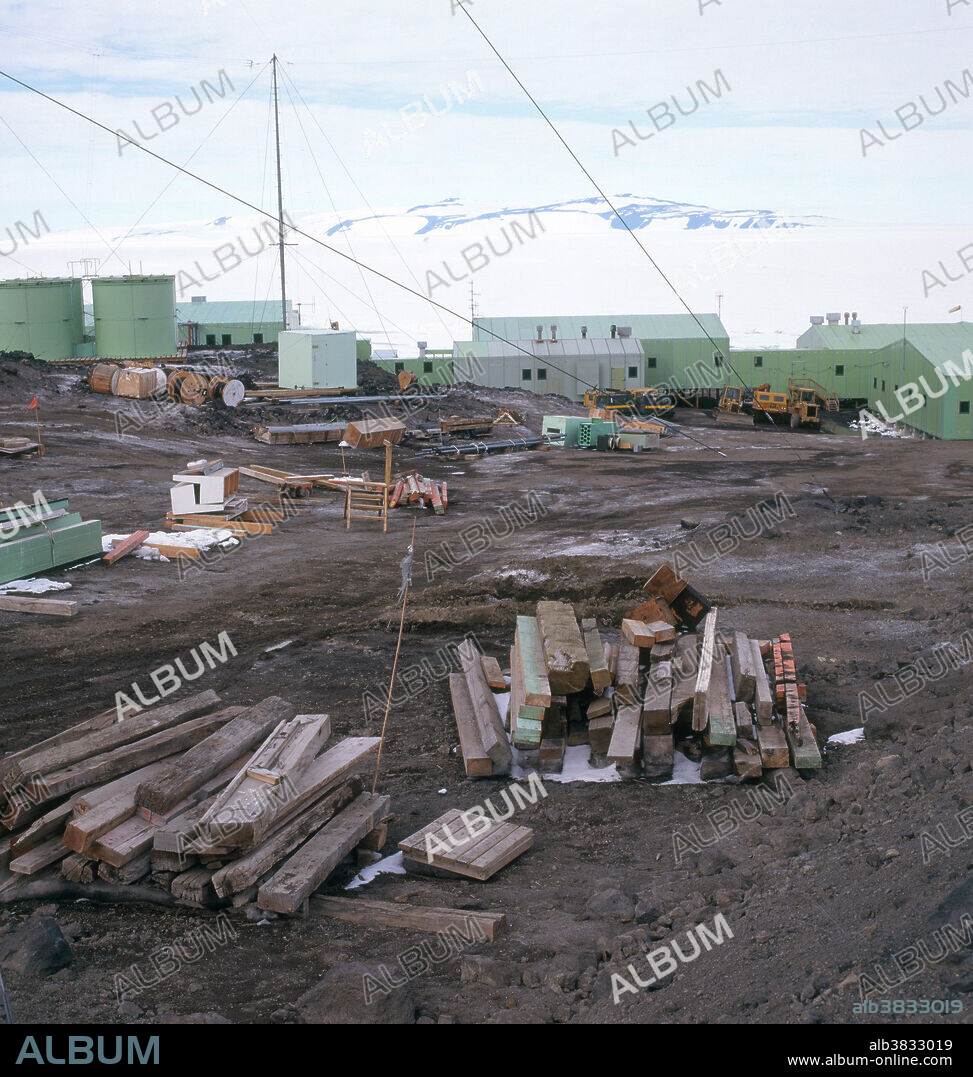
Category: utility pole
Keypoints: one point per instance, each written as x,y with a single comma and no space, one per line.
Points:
472,311
280,204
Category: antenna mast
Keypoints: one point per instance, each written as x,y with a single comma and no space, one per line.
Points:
280,204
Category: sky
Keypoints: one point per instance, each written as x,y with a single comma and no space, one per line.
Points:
798,84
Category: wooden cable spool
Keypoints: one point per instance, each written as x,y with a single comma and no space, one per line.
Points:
192,389
103,377
214,389
172,385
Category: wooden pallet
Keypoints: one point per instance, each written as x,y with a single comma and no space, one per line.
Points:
480,855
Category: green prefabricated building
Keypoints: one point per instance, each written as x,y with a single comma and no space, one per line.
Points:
135,316
933,370
234,322
43,316
845,373
677,348
434,368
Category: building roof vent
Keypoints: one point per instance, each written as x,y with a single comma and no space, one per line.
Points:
198,299
553,333
584,332
817,319
540,334
856,326
625,332
834,318
614,329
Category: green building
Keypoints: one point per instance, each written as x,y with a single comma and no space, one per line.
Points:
929,364
845,373
677,349
233,323
434,366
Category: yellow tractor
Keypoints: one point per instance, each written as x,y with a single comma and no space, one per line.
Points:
645,403
800,405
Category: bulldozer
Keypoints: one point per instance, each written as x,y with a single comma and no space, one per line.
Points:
646,403
801,404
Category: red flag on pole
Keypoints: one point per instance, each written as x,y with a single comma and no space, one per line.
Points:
32,404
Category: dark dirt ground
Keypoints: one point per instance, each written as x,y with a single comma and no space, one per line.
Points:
816,892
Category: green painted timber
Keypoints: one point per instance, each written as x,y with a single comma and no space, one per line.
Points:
804,756
529,643
528,733
42,547
20,514
530,714
722,729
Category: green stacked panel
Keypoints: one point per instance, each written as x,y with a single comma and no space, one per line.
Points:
569,426
40,547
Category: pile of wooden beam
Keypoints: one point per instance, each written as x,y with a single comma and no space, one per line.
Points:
636,696
211,804
414,489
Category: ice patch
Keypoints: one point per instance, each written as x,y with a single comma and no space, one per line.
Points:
684,771
850,736
33,587
576,768
279,646
389,865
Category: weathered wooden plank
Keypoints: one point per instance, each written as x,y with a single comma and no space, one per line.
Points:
252,809
773,746
59,756
763,697
657,703
290,749
704,674
122,760
422,918
475,760
658,755
81,831
626,738
536,685
638,634
744,674
743,719
40,857
721,722
565,655
664,584
746,765
802,744
491,670
485,709
601,678
600,733
53,607
238,876
627,676
180,776
125,547
304,871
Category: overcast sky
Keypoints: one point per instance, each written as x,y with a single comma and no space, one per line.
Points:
804,80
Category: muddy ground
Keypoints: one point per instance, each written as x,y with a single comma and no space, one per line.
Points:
817,890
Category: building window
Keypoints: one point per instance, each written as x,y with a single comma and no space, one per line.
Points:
210,338
964,407
399,366
883,385
633,371
718,359
874,383
653,363
758,360
525,375
542,373
258,338
427,366
839,371
226,338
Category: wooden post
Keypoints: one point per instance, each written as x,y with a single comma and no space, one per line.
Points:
37,416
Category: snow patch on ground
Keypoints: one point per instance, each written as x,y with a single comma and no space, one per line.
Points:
389,865
33,587
684,771
850,736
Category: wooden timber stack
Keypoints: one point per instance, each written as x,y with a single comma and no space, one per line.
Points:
212,805
669,679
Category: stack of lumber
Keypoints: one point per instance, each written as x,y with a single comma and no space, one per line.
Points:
414,489
666,678
299,434
11,446
36,540
208,803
